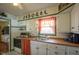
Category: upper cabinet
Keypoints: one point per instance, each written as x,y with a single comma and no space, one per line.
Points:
75,18
14,23
22,23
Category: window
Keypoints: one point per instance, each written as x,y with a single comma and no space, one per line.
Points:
47,25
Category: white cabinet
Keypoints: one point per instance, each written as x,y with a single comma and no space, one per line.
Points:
38,48
54,49
14,23
22,23
34,47
41,48
75,18
51,49
72,51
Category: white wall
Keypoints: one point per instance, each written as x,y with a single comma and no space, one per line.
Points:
31,26
49,10
62,25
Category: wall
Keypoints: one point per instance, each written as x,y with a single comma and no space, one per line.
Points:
31,26
49,10
62,25
62,22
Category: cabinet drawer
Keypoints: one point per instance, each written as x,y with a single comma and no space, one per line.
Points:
60,52
73,51
60,47
53,46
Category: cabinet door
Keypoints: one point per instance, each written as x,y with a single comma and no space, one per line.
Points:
75,18
51,49
60,50
73,51
42,48
38,48
56,49
34,47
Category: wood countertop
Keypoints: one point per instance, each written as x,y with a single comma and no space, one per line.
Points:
58,41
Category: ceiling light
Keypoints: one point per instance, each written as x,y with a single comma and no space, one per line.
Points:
18,5
15,4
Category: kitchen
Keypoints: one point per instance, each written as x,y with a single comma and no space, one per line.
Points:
39,29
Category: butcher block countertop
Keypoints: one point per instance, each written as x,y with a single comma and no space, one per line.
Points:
58,41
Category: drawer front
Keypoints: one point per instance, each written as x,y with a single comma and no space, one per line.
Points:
54,49
60,47
60,52
73,51
53,46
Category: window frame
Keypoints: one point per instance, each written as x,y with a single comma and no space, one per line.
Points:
39,25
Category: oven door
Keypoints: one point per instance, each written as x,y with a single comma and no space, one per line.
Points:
17,43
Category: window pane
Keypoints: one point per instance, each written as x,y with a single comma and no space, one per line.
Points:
47,23
47,30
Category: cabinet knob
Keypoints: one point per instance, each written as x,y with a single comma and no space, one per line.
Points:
37,48
56,53
56,47
76,51
46,51
72,27
65,53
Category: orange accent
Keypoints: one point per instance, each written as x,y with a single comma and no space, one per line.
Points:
26,46
39,25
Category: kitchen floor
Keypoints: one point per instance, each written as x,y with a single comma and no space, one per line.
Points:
12,53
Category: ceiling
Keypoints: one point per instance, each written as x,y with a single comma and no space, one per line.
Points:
26,7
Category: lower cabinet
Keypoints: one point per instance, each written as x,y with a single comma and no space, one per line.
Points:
54,49
38,48
41,48
34,47
73,51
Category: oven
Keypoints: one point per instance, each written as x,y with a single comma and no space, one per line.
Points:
17,43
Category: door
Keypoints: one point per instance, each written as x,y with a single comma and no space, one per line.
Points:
51,49
54,49
73,51
42,48
75,18
34,47
38,48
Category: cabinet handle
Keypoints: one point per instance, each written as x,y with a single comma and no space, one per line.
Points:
56,46
76,51
72,27
37,48
56,53
46,51
65,53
